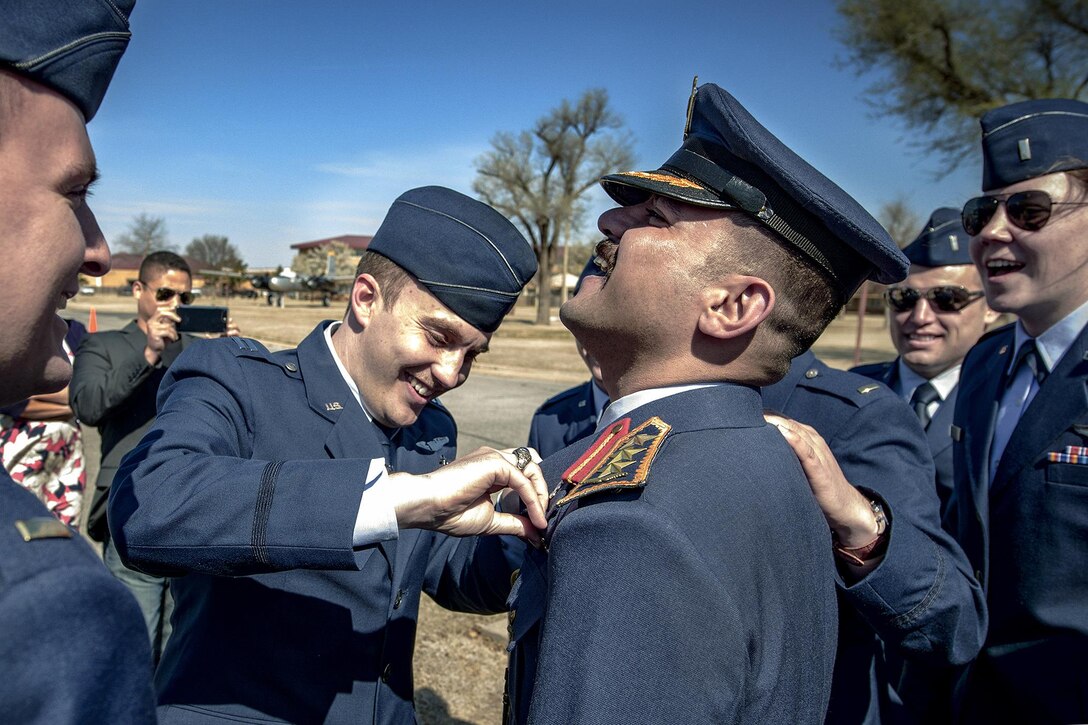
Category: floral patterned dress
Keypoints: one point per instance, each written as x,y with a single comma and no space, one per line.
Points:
41,446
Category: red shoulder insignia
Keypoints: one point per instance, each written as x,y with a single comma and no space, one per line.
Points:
593,455
617,460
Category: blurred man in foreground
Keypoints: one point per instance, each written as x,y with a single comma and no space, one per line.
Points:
54,69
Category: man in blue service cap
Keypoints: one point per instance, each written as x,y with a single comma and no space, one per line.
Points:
688,575
55,65
276,486
1020,428
936,315
572,414
866,435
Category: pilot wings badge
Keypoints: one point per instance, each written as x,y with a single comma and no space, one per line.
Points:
433,445
616,463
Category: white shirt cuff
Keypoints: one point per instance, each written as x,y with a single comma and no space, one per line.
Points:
376,521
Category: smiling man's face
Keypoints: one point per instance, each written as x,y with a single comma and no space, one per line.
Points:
411,352
48,235
931,340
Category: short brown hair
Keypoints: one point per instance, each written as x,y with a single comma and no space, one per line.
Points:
806,299
159,263
391,277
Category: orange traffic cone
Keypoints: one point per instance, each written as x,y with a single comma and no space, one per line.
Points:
92,321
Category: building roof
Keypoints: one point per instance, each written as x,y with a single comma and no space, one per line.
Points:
353,241
127,260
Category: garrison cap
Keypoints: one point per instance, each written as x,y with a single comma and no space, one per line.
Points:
941,242
71,46
1033,138
729,161
464,252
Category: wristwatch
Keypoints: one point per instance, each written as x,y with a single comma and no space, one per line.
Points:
861,554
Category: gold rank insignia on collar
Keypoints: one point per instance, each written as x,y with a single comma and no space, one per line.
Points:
42,527
618,460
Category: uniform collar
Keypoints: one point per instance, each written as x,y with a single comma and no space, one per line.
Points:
944,382
619,408
1055,341
344,371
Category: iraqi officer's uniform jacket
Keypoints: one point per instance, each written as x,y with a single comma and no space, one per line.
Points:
247,489
688,576
1026,534
563,419
73,646
921,600
938,432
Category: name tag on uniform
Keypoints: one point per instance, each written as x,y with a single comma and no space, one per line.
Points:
957,433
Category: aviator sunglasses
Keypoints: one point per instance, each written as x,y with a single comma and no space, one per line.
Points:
1029,210
946,298
165,294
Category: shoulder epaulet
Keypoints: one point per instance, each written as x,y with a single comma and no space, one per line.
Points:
619,459
247,347
873,370
858,389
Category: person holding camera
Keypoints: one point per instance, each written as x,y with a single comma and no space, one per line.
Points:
115,380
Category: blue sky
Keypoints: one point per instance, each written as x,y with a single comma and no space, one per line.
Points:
276,122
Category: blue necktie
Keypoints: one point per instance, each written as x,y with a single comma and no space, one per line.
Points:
924,394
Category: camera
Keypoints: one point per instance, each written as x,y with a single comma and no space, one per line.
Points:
202,318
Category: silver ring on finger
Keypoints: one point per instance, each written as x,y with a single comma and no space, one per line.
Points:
524,457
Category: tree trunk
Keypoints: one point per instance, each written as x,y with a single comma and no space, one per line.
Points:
544,286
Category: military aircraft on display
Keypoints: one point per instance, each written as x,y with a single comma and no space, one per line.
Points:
287,280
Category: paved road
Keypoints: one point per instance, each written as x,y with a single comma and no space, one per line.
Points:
490,410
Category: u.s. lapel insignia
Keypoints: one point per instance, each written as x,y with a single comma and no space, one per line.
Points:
334,405
42,527
617,463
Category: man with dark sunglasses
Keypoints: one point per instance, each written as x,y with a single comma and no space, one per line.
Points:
935,316
115,380
1020,428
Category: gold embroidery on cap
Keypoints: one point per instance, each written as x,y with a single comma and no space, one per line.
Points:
663,178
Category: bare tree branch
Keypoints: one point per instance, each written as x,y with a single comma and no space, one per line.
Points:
538,178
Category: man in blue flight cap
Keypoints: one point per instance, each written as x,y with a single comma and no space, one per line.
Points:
55,667
936,315
276,486
688,574
1020,427
572,414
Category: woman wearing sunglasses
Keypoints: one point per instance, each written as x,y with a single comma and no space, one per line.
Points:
1020,428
